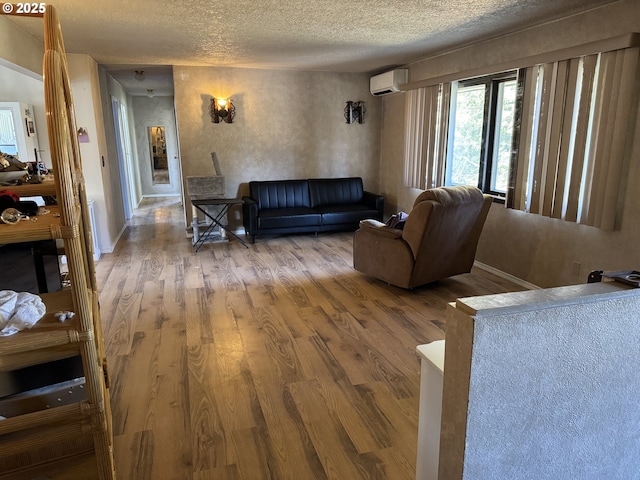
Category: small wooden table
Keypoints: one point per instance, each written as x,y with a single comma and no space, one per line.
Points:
225,204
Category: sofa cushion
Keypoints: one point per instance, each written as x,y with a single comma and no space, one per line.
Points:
344,214
335,191
288,217
280,194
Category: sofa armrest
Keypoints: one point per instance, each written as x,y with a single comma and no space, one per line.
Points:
250,215
375,201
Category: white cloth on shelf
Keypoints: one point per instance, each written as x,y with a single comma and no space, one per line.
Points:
19,310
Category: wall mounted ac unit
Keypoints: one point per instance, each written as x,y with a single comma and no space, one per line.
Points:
388,82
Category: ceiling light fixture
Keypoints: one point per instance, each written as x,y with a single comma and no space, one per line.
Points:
150,92
139,75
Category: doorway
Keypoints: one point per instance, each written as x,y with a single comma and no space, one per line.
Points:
121,135
156,145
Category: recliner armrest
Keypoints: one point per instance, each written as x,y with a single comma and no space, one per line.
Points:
379,228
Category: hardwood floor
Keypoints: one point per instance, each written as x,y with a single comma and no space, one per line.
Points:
275,362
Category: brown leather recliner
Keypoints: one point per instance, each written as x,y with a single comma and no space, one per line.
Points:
439,239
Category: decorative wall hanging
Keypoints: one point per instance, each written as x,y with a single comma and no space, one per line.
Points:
355,112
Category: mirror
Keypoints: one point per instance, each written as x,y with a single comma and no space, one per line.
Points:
158,151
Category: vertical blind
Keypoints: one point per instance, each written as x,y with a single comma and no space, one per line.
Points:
426,128
575,117
414,124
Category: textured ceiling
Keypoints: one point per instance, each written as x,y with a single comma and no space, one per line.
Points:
330,35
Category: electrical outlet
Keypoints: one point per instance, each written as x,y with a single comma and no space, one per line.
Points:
576,268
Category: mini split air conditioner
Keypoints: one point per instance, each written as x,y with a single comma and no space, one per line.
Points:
388,82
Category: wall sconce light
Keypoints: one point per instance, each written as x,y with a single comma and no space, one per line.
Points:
150,93
139,75
222,109
355,112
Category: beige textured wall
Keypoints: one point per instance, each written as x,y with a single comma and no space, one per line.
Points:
536,249
288,125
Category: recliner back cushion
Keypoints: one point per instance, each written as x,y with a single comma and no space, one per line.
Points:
443,230
335,191
446,196
280,193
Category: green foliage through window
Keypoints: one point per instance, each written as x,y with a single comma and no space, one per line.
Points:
481,132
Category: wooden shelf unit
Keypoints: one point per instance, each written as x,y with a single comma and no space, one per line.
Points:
46,188
38,227
72,440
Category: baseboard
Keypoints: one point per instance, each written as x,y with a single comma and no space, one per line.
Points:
157,195
112,247
506,276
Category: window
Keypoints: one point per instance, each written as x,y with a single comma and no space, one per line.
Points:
550,138
481,132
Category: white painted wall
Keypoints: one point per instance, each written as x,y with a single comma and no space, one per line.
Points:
83,72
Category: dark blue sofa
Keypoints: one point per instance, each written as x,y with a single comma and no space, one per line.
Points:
308,206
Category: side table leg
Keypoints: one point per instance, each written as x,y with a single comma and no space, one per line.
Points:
194,224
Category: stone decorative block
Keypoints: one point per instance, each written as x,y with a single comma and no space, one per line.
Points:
208,186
